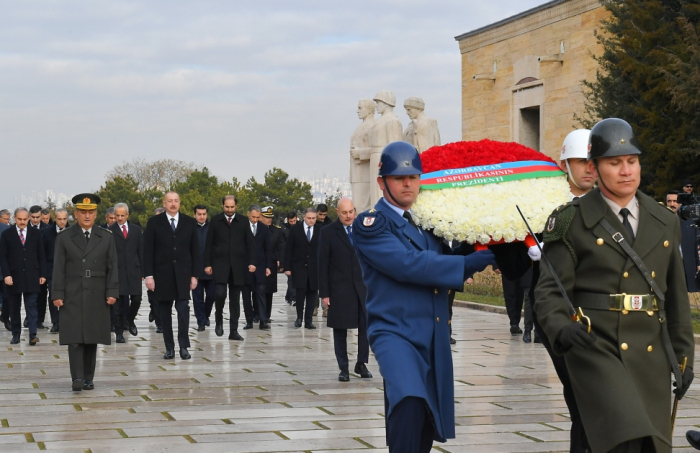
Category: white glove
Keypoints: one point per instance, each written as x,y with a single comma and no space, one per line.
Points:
534,252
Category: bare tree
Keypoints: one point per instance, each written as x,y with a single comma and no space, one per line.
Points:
160,174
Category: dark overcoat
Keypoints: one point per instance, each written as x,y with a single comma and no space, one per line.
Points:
301,256
229,248
48,239
171,257
277,249
26,264
130,257
263,256
340,278
691,260
622,383
85,312
202,231
407,278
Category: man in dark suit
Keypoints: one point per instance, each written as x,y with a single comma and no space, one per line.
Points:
277,250
342,290
24,266
128,240
85,284
110,218
255,282
41,301
301,263
4,300
290,221
202,304
322,218
689,243
171,264
48,238
154,313
229,256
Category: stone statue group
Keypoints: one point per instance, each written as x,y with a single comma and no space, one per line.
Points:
370,138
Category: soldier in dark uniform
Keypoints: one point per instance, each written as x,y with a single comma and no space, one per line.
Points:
277,248
620,371
85,284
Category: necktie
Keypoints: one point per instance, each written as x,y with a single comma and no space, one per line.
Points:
172,223
624,212
124,230
21,236
352,240
255,229
229,220
407,216
87,236
308,234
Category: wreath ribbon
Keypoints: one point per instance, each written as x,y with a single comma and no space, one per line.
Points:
489,174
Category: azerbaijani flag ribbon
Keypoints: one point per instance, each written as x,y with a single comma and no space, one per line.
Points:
489,174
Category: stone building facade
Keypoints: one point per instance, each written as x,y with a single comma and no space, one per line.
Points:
521,77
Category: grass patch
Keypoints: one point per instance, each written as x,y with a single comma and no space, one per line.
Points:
482,299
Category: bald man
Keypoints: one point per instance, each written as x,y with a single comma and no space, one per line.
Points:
342,290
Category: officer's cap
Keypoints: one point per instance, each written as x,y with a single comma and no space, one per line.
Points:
86,201
267,212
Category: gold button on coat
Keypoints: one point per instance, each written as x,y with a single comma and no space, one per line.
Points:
650,348
626,274
436,291
666,243
624,312
600,241
438,319
624,346
653,274
650,313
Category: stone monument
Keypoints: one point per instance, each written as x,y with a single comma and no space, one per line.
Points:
386,129
360,151
422,131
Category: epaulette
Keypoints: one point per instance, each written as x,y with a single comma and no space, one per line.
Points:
106,229
370,223
277,226
558,224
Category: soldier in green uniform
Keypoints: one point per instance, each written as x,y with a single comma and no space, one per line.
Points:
85,283
621,370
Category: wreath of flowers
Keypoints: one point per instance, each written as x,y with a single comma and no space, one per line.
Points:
476,202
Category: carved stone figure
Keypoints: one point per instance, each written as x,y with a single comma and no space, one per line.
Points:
386,129
422,131
360,151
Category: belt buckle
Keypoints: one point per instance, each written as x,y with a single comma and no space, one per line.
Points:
87,273
618,237
634,302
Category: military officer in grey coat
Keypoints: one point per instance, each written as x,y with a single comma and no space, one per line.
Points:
85,283
641,326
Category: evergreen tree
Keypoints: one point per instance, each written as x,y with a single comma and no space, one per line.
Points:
640,40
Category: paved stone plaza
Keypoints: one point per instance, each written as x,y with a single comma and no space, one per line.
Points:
276,391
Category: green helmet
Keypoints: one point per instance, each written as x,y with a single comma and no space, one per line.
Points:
612,137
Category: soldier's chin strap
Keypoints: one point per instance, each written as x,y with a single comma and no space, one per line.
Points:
634,256
396,202
571,177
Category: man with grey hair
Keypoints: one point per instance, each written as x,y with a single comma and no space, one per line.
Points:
4,219
128,240
422,132
110,218
48,239
254,289
301,263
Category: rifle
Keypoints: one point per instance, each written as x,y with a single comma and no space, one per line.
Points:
576,315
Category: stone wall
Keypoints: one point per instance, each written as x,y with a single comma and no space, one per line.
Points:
526,71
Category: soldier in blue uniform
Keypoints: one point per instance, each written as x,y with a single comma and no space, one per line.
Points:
408,273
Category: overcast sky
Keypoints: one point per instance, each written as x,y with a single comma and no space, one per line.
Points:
237,86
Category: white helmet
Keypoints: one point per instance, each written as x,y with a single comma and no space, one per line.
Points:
575,145
386,97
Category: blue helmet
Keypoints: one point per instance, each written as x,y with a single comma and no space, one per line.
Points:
400,159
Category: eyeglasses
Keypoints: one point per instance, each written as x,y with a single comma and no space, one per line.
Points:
688,185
